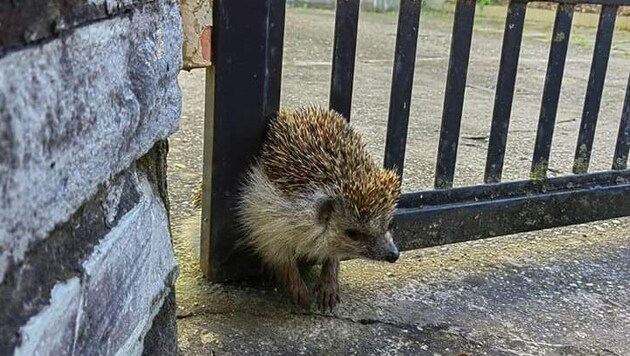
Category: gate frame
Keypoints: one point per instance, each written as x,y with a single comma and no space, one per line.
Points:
251,68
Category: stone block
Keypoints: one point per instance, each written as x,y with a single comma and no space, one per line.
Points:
96,285
77,110
25,22
162,337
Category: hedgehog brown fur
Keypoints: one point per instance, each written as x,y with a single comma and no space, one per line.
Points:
312,147
316,193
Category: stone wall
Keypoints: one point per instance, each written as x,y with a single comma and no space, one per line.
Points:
88,97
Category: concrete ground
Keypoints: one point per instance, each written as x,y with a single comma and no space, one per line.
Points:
557,292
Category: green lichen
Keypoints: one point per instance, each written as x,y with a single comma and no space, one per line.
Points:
581,163
559,37
539,171
620,163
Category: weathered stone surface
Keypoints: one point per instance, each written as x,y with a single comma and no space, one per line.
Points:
27,21
60,256
162,337
107,305
43,332
79,109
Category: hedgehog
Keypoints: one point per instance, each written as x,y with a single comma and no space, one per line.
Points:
314,193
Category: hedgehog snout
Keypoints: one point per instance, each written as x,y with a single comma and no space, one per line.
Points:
391,252
392,255
383,249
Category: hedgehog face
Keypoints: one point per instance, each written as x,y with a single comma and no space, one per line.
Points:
356,236
373,240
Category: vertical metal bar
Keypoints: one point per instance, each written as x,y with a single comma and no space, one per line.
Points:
344,51
247,48
273,59
504,94
402,84
595,87
623,138
551,91
454,93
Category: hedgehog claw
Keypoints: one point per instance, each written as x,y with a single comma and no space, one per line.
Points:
327,296
300,296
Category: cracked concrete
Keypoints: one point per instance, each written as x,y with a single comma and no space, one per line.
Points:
564,293
556,292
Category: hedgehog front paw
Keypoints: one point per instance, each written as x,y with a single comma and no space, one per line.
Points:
299,294
327,294
328,285
290,277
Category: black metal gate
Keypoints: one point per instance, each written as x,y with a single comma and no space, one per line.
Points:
248,45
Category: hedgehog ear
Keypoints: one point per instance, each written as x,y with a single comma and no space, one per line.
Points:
326,207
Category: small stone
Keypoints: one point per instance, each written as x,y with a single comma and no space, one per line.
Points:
390,274
424,347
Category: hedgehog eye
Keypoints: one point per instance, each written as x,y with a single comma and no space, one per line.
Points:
392,225
353,234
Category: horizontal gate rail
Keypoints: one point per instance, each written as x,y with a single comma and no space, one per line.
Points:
461,214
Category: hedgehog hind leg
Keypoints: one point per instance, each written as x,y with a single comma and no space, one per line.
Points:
327,288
